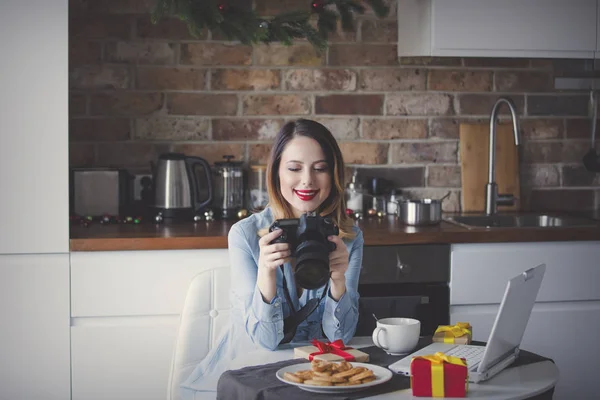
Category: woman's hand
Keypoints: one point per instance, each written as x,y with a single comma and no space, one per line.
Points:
272,255
270,258
338,264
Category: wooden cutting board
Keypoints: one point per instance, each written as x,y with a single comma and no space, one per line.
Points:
474,149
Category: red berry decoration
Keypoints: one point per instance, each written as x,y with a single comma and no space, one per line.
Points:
317,6
222,7
349,212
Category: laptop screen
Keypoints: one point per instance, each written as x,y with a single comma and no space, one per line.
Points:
513,315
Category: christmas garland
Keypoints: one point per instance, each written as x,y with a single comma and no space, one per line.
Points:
245,25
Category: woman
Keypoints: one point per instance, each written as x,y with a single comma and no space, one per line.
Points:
305,174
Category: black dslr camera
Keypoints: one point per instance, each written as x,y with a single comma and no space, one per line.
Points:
307,237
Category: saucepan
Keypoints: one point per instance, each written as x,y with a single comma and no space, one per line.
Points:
421,212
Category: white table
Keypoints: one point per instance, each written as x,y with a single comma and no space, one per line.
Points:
511,384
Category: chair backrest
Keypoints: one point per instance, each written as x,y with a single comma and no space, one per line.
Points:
205,312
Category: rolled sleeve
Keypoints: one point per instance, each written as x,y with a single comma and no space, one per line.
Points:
267,312
341,317
335,315
263,322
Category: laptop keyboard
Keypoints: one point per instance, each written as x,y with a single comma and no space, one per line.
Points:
472,354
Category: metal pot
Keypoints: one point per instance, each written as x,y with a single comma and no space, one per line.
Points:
421,212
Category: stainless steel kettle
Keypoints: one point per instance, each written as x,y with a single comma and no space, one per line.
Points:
180,191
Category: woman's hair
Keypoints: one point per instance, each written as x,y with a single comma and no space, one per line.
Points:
334,206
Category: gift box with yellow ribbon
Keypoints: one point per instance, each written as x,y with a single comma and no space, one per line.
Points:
438,375
460,333
330,351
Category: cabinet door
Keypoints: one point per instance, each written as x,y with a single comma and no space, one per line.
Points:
514,28
125,309
123,361
565,332
597,30
479,272
136,283
34,337
34,179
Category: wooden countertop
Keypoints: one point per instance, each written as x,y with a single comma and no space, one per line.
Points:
376,231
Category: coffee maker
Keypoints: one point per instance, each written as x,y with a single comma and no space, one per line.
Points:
180,191
229,187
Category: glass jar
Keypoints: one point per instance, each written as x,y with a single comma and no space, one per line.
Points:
257,188
354,194
228,187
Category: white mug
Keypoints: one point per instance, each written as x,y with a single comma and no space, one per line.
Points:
397,336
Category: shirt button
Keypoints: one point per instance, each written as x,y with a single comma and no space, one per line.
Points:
337,310
276,304
280,332
275,316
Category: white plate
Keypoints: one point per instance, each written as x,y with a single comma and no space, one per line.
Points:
381,375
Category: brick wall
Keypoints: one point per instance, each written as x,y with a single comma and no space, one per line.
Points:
138,89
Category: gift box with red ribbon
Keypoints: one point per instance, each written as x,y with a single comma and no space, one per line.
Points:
460,333
330,351
439,375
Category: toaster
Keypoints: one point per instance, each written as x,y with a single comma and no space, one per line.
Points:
100,191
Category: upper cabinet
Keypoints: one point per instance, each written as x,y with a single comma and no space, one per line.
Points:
34,124
498,28
597,54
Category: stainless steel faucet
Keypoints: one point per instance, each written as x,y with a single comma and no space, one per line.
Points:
492,198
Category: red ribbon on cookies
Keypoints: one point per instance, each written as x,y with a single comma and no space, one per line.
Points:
336,347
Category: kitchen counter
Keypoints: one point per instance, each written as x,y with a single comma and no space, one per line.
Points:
377,231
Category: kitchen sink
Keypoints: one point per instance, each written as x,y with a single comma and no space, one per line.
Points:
520,221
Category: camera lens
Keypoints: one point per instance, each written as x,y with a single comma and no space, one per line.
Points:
312,264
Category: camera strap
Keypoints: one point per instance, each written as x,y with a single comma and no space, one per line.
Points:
291,323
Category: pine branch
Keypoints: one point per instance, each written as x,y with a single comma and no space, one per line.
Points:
245,25
346,16
380,7
355,6
327,23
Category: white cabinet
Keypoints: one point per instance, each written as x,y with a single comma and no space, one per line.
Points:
125,309
491,28
597,54
566,315
572,270
34,206
34,228
125,359
34,338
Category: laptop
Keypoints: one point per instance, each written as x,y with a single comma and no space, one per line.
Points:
502,347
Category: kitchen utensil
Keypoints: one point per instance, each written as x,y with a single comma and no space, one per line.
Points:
474,153
421,212
229,187
591,159
179,191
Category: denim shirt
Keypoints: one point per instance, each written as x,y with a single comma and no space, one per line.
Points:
258,324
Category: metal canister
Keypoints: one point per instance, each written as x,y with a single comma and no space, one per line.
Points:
421,212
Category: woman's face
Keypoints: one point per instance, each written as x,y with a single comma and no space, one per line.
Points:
304,175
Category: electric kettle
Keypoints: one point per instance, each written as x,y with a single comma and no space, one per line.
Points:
180,191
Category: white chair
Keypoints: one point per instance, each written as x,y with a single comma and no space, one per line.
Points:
205,312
